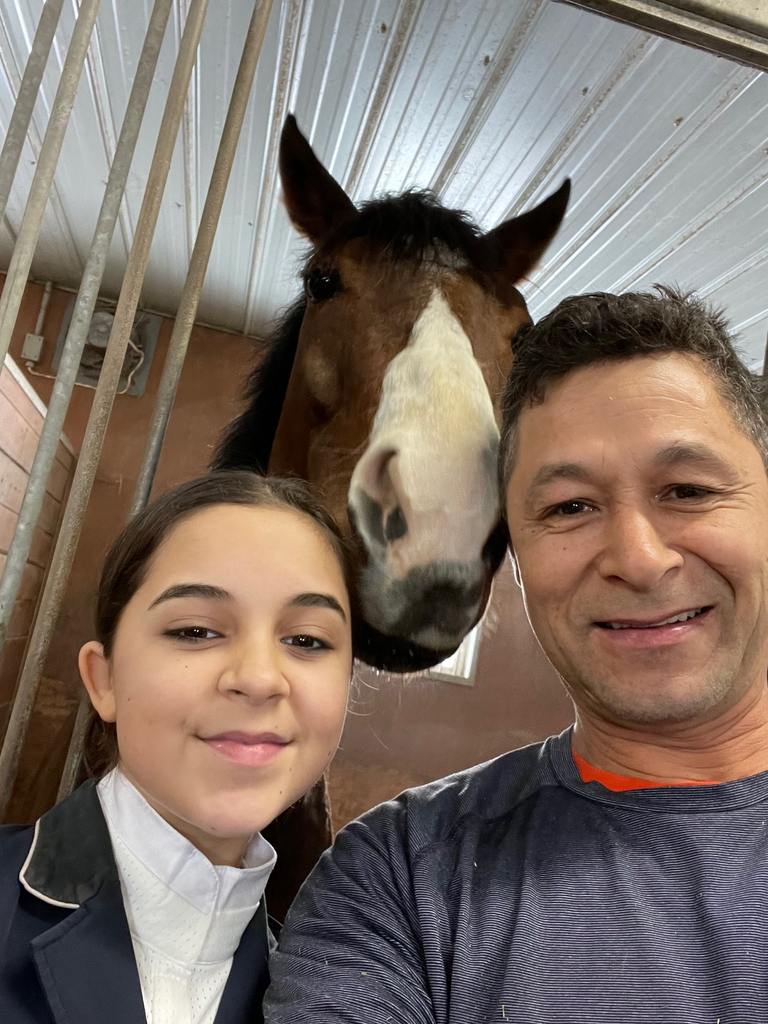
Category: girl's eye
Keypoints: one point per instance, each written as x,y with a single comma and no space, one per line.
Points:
192,634
305,642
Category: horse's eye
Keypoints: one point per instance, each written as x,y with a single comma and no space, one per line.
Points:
322,284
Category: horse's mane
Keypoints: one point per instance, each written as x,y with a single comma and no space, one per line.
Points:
247,441
411,227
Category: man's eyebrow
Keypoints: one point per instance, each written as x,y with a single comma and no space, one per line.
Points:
679,452
691,452
192,590
552,471
311,600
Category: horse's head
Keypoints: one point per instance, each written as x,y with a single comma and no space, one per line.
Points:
403,350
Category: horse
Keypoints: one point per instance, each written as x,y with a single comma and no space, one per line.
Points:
381,384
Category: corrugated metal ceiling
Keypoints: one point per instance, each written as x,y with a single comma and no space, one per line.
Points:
489,102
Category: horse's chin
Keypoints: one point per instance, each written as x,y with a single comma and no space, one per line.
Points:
400,650
394,654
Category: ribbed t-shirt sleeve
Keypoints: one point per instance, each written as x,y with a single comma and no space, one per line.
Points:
350,951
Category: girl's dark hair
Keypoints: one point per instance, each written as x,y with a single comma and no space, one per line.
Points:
127,561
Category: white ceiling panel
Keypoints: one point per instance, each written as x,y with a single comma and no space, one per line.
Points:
488,102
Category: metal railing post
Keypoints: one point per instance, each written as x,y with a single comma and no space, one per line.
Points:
90,452
190,297
24,250
27,97
85,303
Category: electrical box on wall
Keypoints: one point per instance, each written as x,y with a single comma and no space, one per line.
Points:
138,356
32,348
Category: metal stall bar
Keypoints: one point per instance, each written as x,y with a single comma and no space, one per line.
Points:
185,316
25,101
81,317
737,29
29,231
88,459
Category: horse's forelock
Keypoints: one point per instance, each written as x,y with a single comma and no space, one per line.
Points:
414,227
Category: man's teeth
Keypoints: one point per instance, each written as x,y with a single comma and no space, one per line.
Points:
682,617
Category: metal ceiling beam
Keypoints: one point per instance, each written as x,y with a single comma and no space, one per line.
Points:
736,29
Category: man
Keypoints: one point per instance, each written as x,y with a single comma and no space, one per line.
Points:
618,873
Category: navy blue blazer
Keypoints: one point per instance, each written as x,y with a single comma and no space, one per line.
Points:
66,955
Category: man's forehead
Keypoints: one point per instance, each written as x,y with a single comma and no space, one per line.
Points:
634,391
654,370
661,411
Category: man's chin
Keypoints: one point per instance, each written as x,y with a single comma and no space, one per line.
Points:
648,700
667,710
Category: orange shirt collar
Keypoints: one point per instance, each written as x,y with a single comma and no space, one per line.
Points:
621,783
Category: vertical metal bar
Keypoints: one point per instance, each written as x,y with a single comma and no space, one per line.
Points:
69,532
81,317
190,297
29,231
25,101
71,769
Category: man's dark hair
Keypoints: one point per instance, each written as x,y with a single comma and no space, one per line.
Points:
600,327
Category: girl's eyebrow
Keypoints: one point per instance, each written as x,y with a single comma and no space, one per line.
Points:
318,601
192,590
207,590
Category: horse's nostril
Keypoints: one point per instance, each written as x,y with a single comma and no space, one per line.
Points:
375,477
395,526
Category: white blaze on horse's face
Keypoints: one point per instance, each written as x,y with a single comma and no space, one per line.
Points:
424,495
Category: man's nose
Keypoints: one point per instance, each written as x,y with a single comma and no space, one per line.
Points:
636,551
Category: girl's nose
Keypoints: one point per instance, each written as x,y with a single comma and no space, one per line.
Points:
255,671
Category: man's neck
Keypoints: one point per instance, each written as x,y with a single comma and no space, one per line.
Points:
732,746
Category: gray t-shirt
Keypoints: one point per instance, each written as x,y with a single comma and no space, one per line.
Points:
516,892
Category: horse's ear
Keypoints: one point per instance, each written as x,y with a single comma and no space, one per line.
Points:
315,201
522,240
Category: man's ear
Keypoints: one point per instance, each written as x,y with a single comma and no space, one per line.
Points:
515,568
97,678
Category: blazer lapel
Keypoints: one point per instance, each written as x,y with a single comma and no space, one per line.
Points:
249,976
87,965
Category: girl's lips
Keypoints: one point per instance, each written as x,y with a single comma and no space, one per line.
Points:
247,753
649,637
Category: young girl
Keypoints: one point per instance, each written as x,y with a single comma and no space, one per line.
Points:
220,675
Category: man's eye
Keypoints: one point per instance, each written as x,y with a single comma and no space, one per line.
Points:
192,634
305,642
569,508
684,491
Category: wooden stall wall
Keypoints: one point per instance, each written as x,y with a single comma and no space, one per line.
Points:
21,418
